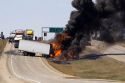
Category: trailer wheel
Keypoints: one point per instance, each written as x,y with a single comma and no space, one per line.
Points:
31,54
46,56
25,53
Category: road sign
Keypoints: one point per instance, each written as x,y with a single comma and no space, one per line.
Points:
56,30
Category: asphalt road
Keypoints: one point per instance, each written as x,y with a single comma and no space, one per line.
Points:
15,68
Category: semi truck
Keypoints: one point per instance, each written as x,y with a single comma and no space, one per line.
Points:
22,34
33,47
11,37
52,49
17,39
19,34
29,34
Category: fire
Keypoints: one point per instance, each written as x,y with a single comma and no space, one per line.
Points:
56,45
58,52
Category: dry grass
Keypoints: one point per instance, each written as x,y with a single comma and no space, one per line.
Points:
102,68
2,45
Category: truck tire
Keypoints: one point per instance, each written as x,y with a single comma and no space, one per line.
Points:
31,54
25,53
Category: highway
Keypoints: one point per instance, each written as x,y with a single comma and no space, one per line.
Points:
15,68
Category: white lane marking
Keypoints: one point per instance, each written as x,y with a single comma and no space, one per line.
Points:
43,75
57,73
20,77
26,61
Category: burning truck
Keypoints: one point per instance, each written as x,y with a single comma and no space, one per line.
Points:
52,49
104,18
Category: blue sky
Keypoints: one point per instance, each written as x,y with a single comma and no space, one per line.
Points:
23,14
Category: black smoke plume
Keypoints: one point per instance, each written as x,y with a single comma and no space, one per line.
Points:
105,18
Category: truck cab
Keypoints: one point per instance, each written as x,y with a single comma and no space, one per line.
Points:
19,34
29,34
17,39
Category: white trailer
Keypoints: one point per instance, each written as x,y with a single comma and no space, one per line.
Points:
34,47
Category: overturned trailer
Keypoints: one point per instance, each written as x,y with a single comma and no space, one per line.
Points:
33,47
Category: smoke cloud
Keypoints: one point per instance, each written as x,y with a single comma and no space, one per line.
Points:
105,18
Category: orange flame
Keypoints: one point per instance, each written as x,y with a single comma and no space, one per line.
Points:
58,52
56,45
